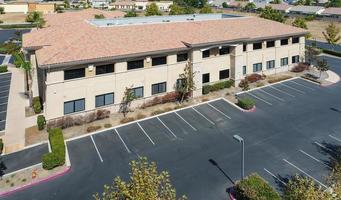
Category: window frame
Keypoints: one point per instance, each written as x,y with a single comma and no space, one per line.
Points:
273,42
244,69
295,59
257,43
158,59
74,106
136,88
256,65
73,74
287,42
136,62
104,99
206,56
203,75
158,88
106,68
181,54
287,61
244,47
273,64
222,71
224,50
294,40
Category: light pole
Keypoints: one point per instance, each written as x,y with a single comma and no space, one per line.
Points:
241,140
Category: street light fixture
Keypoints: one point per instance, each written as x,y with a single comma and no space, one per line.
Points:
241,140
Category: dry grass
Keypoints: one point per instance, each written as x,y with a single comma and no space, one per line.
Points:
13,17
93,128
277,78
127,119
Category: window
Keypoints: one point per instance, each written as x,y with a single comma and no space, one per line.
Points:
138,92
104,69
295,40
135,64
295,59
206,78
284,61
224,50
158,88
74,73
74,106
206,54
244,47
104,99
159,61
270,44
244,70
223,74
180,82
257,67
257,45
182,57
284,42
270,64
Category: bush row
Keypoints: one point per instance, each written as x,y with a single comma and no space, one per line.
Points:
41,122
217,86
57,156
36,105
1,146
246,103
3,68
300,67
334,53
255,77
169,97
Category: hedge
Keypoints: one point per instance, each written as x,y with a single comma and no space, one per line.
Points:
1,146
217,86
334,53
57,156
246,103
41,122
36,105
3,68
256,188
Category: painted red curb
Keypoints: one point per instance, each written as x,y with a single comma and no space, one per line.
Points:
51,177
253,109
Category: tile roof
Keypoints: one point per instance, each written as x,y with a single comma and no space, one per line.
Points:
332,11
84,42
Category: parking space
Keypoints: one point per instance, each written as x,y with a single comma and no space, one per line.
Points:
5,80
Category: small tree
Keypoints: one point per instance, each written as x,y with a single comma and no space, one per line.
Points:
322,66
334,3
311,54
152,9
269,13
206,9
224,4
276,2
99,16
300,23
249,7
131,13
2,10
36,18
145,183
332,34
185,84
175,9
126,101
244,84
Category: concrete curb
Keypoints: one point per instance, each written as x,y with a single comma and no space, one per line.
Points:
253,109
51,177
335,78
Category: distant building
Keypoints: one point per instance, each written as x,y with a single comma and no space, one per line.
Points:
26,7
100,3
307,10
332,13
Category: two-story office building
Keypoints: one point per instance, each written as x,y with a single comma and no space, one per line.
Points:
88,64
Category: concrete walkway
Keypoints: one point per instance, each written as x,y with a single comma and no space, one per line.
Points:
332,77
14,137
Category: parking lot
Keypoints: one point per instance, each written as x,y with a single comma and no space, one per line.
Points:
5,81
294,130
6,59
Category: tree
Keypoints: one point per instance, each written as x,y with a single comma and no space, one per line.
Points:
191,3
322,66
36,18
300,23
185,84
332,34
224,4
131,13
145,183
269,13
66,4
249,6
2,10
99,16
334,3
311,54
175,9
206,9
128,97
276,2
152,9
300,188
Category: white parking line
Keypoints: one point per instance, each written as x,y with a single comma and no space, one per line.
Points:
322,146
302,85
125,145
281,91
300,91
335,138
185,121
259,98
203,115
274,96
167,127
99,155
305,173
312,157
150,139
216,109
273,175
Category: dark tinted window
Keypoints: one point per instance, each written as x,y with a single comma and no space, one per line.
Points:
104,99
181,57
159,61
206,78
223,74
74,73
206,53
224,50
103,69
135,64
158,88
257,45
284,42
244,47
295,59
295,40
270,44
74,106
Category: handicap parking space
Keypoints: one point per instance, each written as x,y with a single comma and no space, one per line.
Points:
24,158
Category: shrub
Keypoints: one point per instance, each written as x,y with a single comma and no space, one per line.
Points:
127,119
254,78
217,86
300,67
57,156
246,103
36,105
206,89
102,114
93,128
107,125
1,146
256,188
3,68
41,122
244,84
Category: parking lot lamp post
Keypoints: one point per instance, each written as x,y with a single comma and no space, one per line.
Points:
241,140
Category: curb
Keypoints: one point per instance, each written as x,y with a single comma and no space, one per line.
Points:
51,177
253,109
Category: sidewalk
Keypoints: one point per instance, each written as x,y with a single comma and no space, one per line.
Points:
14,137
